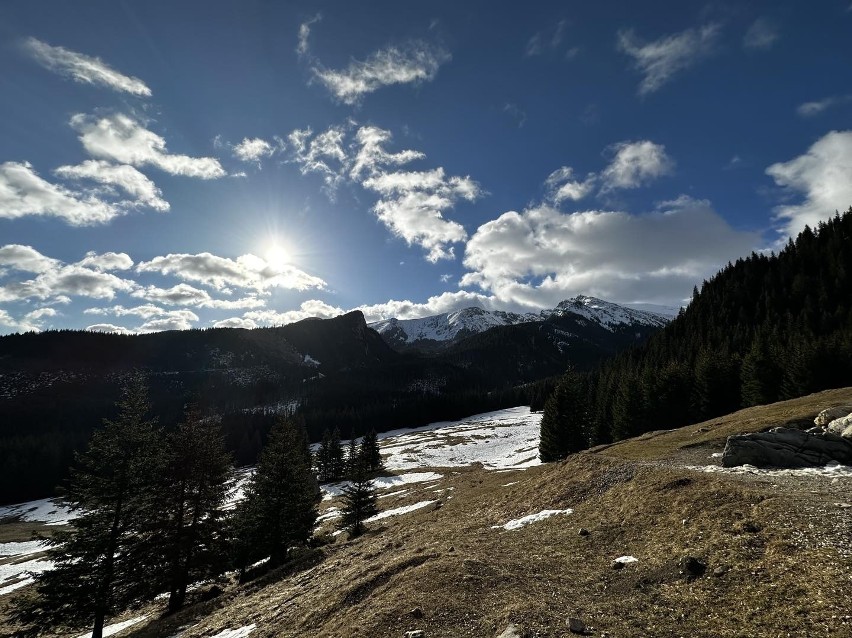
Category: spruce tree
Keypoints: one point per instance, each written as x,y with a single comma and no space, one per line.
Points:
564,424
352,456
195,486
336,461
323,457
280,507
370,451
359,502
103,563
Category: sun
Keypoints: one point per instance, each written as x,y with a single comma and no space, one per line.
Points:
277,255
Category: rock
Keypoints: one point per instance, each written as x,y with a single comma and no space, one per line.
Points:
616,565
576,626
512,631
416,613
692,566
721,570
583,531
838,425
416,633
786,447
847,433
827,416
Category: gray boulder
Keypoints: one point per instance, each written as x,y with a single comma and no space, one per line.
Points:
786,447
827,416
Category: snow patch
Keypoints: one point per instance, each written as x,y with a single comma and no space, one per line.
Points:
44,510
240,632
831,470
518,523
626,560
109,630
399,510
23,548
310,361
333,490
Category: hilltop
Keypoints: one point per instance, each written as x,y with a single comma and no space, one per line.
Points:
717,551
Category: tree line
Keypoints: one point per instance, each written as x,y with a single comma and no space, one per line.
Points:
156,512
765,328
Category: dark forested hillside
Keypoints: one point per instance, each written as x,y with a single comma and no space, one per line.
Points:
765,328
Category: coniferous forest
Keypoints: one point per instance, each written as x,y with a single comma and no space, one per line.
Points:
765,328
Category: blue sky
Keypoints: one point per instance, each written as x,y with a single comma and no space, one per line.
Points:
172,165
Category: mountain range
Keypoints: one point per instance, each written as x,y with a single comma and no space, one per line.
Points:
438,332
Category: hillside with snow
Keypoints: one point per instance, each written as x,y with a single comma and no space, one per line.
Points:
439,331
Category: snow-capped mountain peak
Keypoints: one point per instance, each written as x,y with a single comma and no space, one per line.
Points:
450,326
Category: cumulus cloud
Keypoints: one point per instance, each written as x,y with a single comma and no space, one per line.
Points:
761,35
312,308
562,186
83,68
635,164
109,328
141,189
247,271
823,176
536,258
186,295
123,139
412,206
23,192
810,109
155,319
33,321
253,149
106,261
444,302
26,259
413,63
660,60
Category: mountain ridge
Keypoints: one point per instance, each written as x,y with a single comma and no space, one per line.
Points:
436,332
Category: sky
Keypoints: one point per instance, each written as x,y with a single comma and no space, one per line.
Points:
175,165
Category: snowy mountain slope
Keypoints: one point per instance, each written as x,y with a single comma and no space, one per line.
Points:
447,326
605,313
439,330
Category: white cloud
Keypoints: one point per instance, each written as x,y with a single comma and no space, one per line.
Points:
659,61
247,271
810,109
536,258
444,302
143,191
562,186
106,261
109,328
635,164
322,153
412,206
31,322
303,47
413,63
23,192
823,176
26,259
186,295
256,318
253,150
372,156
83,68
121,138
761,35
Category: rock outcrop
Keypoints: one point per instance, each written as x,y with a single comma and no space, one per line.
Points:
830,414
786,447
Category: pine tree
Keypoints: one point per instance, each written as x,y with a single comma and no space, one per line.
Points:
564,424
102,564
336,462
195,486
353,457
279,509
370,451
359,502
761,376
323,457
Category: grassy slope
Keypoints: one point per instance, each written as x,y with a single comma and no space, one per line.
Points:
784,547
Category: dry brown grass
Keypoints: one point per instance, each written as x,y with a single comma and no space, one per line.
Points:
780,552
